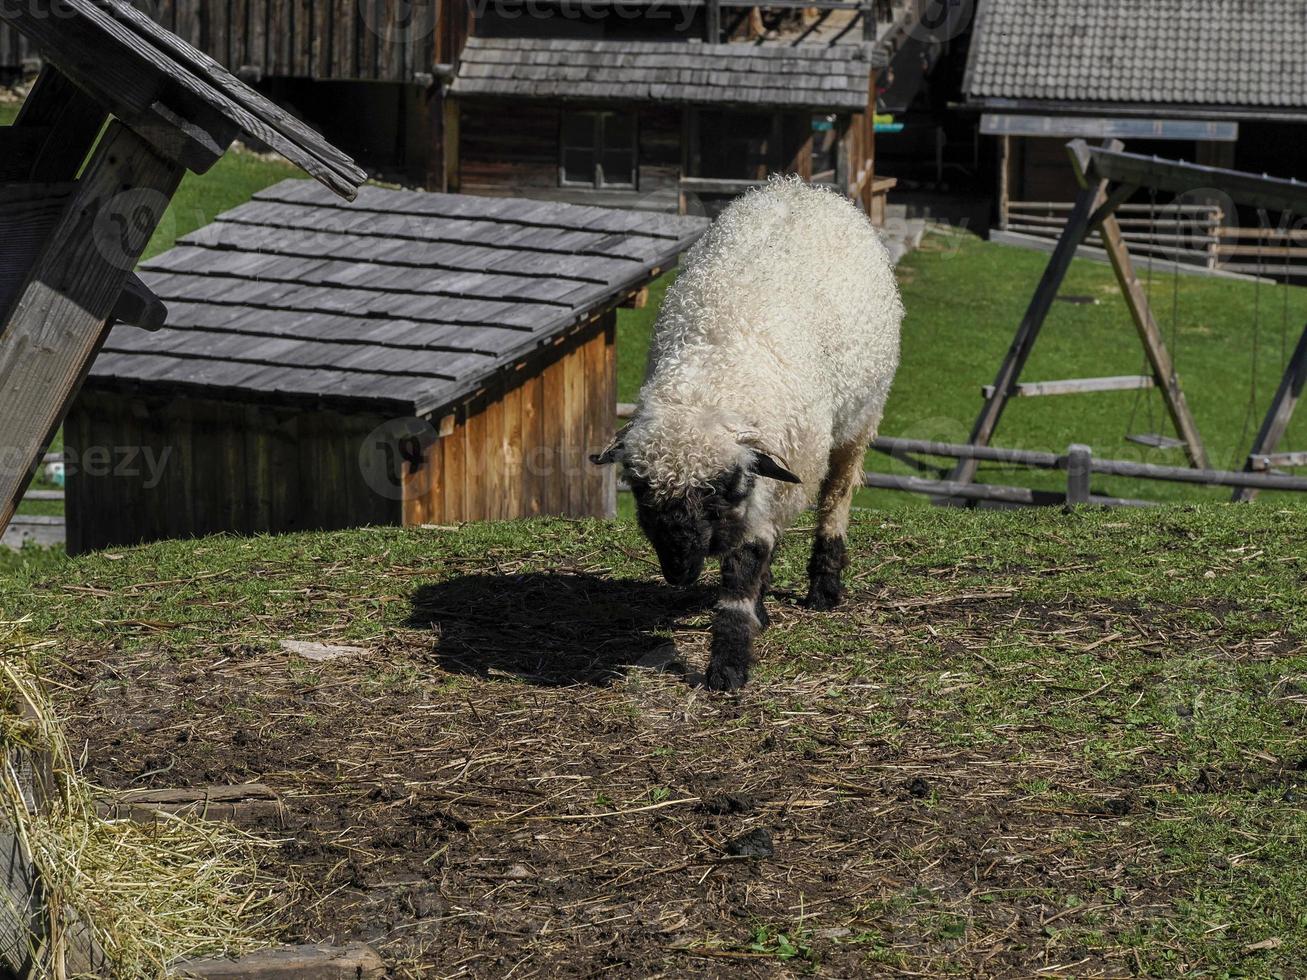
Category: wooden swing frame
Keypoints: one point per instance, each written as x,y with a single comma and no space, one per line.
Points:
1108,177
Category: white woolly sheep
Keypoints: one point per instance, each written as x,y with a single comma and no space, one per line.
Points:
770,366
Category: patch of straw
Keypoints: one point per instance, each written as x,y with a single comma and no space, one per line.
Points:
146,896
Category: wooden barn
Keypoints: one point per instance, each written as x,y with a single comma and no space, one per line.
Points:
412,358
653,124
1216,82
362,72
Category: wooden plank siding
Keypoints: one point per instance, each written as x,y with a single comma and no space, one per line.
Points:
523,451
511,149
364,40
221,467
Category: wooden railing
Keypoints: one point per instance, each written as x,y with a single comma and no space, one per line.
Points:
1188,233
1272,253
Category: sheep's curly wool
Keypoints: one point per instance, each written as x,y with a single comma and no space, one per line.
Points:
781,333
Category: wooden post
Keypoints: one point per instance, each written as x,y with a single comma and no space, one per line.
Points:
1004,179
1280,413
59,317
450,145
1077,227
1079,467
712,22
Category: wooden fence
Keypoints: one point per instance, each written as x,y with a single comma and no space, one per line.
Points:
41,530
1273,253
1189,233
1078,463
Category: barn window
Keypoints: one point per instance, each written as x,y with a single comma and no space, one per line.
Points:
598,149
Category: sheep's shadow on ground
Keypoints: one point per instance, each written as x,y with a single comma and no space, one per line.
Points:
554,628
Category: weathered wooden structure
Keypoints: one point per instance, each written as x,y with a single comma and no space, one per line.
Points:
413,358
120,112
1216,82
1109,177
660,109
376,40
635,119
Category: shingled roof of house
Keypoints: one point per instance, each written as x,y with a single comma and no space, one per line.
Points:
819,77
1237,53
406,300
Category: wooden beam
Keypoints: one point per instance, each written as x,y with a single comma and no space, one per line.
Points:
1277,419
1041,303
138,306
56,323
69,121
1110,163
712,21
1150,334
1076,386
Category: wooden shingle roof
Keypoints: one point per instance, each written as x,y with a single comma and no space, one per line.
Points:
819,77
406,300
179,98
1236,53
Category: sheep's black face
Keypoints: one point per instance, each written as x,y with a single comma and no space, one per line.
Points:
686,530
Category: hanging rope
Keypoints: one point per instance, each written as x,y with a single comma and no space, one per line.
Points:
1237,461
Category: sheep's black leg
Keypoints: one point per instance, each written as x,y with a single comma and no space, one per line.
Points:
736,621
829,556
764,590
825,569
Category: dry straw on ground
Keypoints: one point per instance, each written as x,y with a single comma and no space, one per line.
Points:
146,896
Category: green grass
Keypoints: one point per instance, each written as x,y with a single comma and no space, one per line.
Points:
964,299
1126,691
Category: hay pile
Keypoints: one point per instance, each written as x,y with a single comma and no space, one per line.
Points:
145,896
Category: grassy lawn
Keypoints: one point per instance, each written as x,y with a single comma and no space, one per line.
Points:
1069,743
964,299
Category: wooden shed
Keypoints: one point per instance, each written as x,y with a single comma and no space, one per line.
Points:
121,110
411,358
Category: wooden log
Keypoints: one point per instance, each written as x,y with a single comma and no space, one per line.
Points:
58,319
356,961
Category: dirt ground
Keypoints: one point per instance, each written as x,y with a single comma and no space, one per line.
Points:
524,781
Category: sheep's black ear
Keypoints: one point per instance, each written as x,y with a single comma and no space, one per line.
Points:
771,468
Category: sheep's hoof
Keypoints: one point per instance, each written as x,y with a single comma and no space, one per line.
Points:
824,594
723,678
